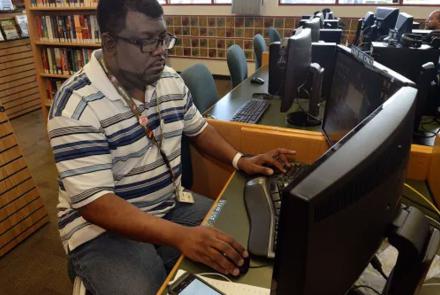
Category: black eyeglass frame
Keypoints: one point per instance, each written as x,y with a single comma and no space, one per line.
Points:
167,42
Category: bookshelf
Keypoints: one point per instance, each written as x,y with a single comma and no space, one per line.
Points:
63,34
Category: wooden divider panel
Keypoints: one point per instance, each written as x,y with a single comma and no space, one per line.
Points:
21,209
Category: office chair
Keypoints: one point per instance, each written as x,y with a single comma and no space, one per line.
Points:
259,47
274,36
237,64
202,86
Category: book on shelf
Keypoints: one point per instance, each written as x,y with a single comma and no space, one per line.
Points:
51,89
9,29
64,61
6,5
69,28
2,38
64,3
22,23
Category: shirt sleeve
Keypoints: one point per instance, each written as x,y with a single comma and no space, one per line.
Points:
83,160
194,123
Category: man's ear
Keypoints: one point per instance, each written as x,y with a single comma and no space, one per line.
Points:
108,42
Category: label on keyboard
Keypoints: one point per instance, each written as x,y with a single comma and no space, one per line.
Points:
216,212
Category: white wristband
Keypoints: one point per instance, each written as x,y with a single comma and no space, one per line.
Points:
235,160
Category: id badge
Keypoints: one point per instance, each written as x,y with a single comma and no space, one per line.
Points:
184,196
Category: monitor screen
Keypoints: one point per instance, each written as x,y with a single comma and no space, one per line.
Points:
355,92
334,218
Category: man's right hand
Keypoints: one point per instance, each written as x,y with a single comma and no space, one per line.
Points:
213,248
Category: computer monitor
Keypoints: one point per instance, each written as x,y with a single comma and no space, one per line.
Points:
386,18
300,73
356,90
315,25
368,20
298,56
411,68
404,24
363,30
334,217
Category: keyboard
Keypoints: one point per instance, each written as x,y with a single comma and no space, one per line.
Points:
263,197
251,111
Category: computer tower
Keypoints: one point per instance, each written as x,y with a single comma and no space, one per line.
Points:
275,71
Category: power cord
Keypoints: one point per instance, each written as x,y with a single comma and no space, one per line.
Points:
425,199
213,274
259,265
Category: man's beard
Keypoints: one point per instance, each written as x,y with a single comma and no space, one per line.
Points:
138,80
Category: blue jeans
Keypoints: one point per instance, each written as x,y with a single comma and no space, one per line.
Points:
112,264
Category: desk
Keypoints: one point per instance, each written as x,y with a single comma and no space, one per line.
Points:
222,182
225,108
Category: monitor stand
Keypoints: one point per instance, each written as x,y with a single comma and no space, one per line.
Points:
417,243
302,119
310,118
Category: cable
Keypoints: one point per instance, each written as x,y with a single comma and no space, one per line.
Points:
375,262
437,224
367,287
202,274
431,284
259,265
431,205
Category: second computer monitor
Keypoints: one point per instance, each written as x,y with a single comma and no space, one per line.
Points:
404,24
386,18
356,90
298,56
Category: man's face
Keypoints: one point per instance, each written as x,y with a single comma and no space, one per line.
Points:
433,23
140,67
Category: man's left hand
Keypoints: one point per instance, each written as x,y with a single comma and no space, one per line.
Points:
278,158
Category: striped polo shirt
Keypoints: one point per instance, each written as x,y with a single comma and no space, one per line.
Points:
99,147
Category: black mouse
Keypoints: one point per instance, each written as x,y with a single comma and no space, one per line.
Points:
245,267
257,80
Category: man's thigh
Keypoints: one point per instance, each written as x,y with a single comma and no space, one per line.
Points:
111,264
190,214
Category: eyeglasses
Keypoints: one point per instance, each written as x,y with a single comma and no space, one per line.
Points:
149,45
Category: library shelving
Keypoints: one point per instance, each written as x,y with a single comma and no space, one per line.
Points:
63,35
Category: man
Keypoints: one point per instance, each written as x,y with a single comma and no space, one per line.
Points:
115,129
433,20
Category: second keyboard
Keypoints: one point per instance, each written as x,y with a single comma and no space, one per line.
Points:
251,111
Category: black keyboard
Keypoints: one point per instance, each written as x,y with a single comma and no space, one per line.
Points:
251,111
262,196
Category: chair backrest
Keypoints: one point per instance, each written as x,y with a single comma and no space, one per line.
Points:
203,90
274,36
202,86
259,47
237,64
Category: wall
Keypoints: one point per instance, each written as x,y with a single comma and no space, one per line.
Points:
205,32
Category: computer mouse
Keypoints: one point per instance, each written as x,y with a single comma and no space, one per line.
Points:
257,80
245,267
